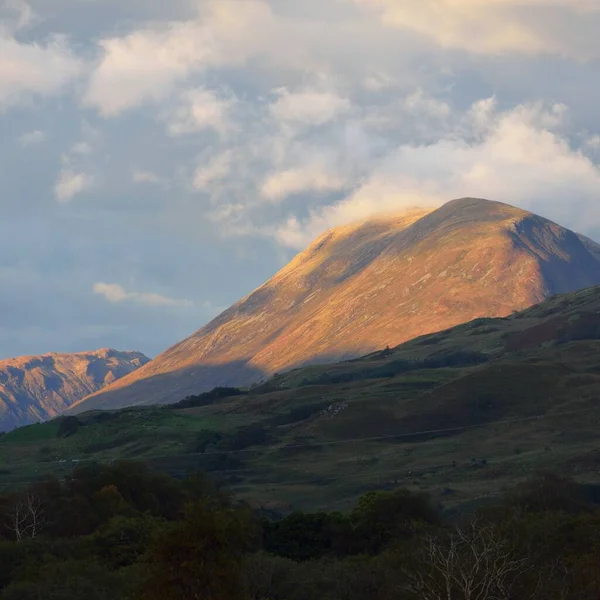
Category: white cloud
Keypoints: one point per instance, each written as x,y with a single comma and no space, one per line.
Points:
419,116
518,156
31,138
217,169
145,65
71,184
145,177
279,185
564,27
373,197
378,81
308,106
420,103
115,293
200,109
148,63
593,142
151,62
16,15
28,70
82,148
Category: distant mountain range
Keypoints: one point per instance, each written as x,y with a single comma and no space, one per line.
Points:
362,287
36,388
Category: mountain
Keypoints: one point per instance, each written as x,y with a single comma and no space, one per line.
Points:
463,414
36,388
370,285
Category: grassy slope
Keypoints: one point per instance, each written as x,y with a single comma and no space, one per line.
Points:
532,406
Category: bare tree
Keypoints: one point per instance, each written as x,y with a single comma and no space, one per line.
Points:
475,562
26,517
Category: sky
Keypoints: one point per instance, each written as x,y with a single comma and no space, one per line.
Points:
160,160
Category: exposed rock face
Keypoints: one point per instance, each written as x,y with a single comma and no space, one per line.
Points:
35,388
362,287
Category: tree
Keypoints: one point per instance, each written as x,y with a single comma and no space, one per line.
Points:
70,580
25,518
550,492
474,562
199,558
123,540
308,536
68,426
381,518
108,502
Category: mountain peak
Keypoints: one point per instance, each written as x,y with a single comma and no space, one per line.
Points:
364,286
482,206
34,388
468,212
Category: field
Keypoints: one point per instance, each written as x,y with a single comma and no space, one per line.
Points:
462,414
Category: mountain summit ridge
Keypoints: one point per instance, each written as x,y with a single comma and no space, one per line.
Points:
364,286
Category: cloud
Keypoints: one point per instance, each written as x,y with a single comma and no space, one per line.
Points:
593,142
144,65
200,109
308,106
71,184
563,27
378,81
148,63
286,118
115,293
420,103
217,169
519,156
31,138
376,196
281,184
82,148
309,166
152,62
28,70
145,177
16,15
417,115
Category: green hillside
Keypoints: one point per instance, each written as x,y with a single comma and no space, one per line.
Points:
462,414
